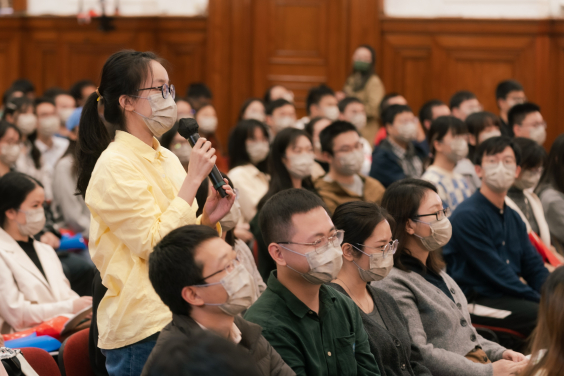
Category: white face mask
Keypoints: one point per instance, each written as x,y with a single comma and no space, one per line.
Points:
407,131
458,150
34,222
441,232
232,218
300,165
27,123
538,134
527,179
257,115
358,120
379,268
49,125
331,112
486,135
283,122
241,290
498,177
208,124
349,163
9,154
163,114
324,264
182,151
257,150
65,113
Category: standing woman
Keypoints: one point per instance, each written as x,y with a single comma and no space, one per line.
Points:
137,192
365,85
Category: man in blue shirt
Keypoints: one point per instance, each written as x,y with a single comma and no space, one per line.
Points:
490,255
315,329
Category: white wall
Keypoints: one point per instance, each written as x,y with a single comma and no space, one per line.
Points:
475,8
126,7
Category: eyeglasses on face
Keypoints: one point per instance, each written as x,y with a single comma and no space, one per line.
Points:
165,89
228,269
387,249
336,239
443,213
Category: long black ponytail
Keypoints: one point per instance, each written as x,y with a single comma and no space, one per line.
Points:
123,74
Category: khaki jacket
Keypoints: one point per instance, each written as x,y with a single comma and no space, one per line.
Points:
334,194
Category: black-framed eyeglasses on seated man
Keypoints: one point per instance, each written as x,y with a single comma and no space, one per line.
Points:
443,213
336,239
164,89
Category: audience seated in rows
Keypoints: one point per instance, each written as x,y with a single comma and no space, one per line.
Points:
434,306
343,150
368,256
490,251
315,329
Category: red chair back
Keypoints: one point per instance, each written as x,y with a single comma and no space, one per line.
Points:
41,361
74,359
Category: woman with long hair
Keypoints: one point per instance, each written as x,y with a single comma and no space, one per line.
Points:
551,193
137,192
9,146
364,84
290,162
547,355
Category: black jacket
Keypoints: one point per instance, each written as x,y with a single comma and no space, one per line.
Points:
268,360
393,349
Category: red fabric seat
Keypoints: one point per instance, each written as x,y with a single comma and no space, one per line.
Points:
502,330
74,359
41,361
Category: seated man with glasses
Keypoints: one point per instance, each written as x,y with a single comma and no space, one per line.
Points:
343,150
526,121
398,156
315,329
368,256
198,276
490,255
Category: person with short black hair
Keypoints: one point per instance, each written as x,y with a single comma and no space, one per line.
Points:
508,93
278,92
526,121
463,103
551,193
363,83
320,101
48,124
342,148
368,256
431,301
490,250
252,108
388,100
430,111
199,277
314,128
448,138
316,330
398,157
65,105
198,94
25,86
352,110
280,114
248,151
81,90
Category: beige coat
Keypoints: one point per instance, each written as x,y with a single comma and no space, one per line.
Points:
333,194
26,297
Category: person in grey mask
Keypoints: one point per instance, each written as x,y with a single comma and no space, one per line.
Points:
342,148
48,123
490,250
435,307
315,329
448,139
200,278
34,287
368,256
526,121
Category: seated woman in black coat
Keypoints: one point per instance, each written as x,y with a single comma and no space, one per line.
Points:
368,251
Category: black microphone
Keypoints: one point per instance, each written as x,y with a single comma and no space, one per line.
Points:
188,128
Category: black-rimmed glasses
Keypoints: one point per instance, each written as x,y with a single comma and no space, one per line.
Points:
164,89
443,213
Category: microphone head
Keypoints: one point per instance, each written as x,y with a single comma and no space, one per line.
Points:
187,127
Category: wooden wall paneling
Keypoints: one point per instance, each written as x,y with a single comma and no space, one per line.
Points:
10,52
556,123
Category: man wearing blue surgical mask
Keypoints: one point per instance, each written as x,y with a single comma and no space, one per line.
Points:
200,278
316,330
490,249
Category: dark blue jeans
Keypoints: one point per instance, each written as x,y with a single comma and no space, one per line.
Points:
128,360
